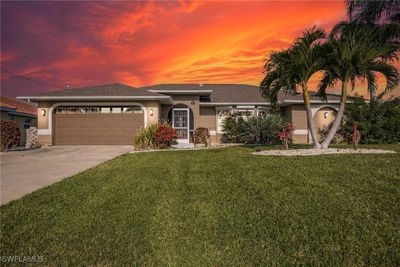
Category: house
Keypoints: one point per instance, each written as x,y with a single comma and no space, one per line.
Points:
22,112
112,113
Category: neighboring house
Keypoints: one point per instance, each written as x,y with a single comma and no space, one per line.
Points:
112,113
22,112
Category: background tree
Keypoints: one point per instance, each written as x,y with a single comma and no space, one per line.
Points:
291,68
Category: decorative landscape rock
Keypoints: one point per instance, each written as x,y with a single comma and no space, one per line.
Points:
313,152
32,139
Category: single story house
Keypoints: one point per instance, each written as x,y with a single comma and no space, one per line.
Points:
22,112
112,113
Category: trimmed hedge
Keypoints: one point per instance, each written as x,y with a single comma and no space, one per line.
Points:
201,136
10,135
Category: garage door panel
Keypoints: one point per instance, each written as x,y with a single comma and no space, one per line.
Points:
96,129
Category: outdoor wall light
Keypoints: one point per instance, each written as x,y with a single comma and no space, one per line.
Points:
151,112
43,112
325,115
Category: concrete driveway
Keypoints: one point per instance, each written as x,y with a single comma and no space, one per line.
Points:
26,171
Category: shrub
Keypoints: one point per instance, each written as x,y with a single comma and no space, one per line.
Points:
145,138
378,120
285,135
339,137
165,136
10,134
201,136
259,129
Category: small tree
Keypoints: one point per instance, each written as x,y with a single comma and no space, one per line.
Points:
286,135
285,70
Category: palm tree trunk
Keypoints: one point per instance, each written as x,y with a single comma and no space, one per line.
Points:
310,121
338,119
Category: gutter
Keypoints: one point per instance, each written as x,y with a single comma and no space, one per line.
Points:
234,103
162,98
181,91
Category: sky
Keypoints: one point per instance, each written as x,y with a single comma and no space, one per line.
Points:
51,45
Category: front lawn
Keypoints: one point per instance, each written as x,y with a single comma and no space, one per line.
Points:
212,208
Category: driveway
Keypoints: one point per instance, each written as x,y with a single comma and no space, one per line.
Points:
26,171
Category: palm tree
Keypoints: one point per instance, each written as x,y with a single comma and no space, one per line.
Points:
359,50
288,69
373,35
374,11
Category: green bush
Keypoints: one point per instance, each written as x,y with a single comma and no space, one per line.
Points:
155,136
145,138
261,129
378,120
201,136
10,134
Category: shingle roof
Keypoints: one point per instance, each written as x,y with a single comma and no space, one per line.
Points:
313,97
113,89
221,93
18,105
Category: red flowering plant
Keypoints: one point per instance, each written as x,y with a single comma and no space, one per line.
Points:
285,135
165,136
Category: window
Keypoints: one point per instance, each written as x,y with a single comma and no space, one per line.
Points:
62,110
137,110
105,110
84,109
27,124
263,111
245,111
221,116
116,110
127,110
73,110
94,110
205,98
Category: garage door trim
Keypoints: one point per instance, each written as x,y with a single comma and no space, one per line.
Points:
49,130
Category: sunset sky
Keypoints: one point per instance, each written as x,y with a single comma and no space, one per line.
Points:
141,43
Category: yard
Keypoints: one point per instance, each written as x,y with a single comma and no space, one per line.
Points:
212,208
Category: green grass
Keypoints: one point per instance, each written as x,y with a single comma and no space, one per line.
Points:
215,207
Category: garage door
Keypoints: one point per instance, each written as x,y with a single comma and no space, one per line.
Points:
97,125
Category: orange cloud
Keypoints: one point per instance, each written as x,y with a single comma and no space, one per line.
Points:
142,43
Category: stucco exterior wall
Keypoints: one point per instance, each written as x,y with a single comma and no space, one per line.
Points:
320,120
207,118
297,115
153,111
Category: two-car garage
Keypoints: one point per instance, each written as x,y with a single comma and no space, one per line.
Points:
96,125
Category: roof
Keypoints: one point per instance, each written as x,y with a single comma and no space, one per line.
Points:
113,89
219,93
298,98
18,106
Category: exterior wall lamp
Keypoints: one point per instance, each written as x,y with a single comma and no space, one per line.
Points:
151,112
325,115
43,112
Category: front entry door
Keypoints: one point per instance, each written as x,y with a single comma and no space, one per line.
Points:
180,122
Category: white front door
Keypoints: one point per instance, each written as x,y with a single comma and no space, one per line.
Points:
180,122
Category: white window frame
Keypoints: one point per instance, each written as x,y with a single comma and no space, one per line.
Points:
264,109
218,120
